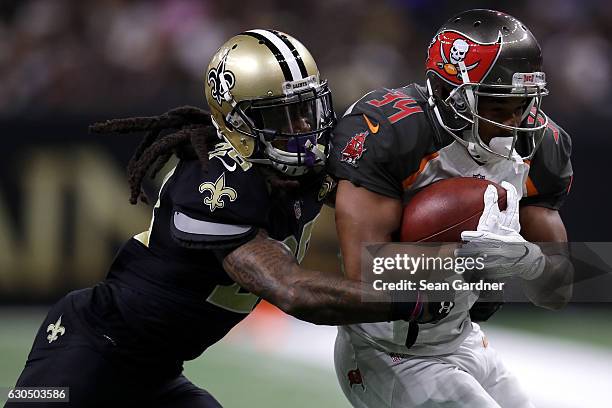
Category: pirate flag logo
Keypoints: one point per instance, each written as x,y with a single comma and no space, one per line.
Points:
449,48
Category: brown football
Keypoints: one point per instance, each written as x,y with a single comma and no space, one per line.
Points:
444,209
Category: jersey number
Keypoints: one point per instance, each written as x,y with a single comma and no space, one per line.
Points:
404,103
237,300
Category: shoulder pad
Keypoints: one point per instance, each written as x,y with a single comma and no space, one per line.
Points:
218,205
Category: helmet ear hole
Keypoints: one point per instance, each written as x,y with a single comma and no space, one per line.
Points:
439,88
442,91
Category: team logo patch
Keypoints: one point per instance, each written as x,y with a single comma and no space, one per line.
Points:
56,329
354,149
449,48
218,75
217,191
355,378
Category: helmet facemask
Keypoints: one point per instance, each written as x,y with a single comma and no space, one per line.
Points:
293,130
463,101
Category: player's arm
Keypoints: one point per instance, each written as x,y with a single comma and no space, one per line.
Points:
266,268
363,216
552,289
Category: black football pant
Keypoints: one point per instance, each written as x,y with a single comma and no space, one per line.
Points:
82,361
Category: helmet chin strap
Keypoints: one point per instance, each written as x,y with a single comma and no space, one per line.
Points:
479,154
299,170
312,148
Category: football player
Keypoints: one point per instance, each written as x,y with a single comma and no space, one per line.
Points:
478,115
230,226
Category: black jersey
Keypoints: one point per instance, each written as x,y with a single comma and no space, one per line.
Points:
168,284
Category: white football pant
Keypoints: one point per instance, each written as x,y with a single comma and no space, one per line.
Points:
473,376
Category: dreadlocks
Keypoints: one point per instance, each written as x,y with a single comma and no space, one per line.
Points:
185,131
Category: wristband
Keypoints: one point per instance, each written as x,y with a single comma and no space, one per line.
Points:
404,306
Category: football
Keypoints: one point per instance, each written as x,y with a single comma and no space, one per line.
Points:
442,210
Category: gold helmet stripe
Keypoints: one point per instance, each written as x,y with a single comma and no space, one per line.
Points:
281,51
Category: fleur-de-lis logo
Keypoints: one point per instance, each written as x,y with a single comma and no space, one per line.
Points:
55,329
217,190
216,75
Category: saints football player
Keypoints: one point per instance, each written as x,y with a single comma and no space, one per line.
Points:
478,115
230,226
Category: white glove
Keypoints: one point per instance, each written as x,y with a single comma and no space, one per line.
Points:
506,253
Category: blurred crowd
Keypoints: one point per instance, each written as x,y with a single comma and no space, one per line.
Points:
77,57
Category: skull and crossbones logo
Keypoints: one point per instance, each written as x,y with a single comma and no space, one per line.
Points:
458,52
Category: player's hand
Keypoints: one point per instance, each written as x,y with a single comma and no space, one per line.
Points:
506,253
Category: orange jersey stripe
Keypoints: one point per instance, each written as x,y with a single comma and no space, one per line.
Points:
412,178
531,188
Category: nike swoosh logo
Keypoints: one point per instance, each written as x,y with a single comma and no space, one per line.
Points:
373,129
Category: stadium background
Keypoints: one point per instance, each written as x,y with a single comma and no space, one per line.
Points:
63,194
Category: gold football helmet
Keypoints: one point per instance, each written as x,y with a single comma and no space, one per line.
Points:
267,101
